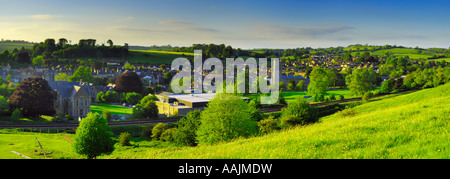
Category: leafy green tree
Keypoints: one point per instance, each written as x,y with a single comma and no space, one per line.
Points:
147,98
100,96
93,137
133,98
387,86
82,73
38,61
150,109
61,77
4,106
300,85
226,117
319,81
187,127
110,42
361,81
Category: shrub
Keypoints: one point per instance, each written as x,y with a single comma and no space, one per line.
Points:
367,96
226,117
341,97
93,136
58,118
158,130
124,139
107,115
332,97
287,121
168,135
138,111
347,112
187,127
146,132
301,112
268,125
69,117
16,115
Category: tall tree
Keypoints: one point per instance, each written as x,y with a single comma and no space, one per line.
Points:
82,73
23,57
110,42
319,81
361,81
93,137
33,97
128,82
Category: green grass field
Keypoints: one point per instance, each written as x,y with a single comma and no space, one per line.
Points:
12,45
55,145
114,109
412,53
413,125
156,57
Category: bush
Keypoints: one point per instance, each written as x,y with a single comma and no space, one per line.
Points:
332,97
301,112
124,139
226,117
187,127
16,115
146,132
58,118
367,96
69,117
287,121
158,130
341,97
138,111
168,135
107,115
347,112
268,125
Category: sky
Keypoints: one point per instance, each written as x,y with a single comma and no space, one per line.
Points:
245,24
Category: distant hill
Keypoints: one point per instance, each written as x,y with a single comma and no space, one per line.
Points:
12,44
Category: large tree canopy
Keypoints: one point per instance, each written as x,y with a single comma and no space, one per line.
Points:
33,97
128,82
319,82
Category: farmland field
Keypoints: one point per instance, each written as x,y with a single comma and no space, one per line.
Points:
156,57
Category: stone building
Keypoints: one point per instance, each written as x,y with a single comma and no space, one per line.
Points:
73,98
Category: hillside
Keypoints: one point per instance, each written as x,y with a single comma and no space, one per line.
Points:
156,57
414,125
11,45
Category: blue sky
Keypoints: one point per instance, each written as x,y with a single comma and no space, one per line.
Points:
244,24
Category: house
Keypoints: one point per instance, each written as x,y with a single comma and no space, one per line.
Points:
72,98
180,104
